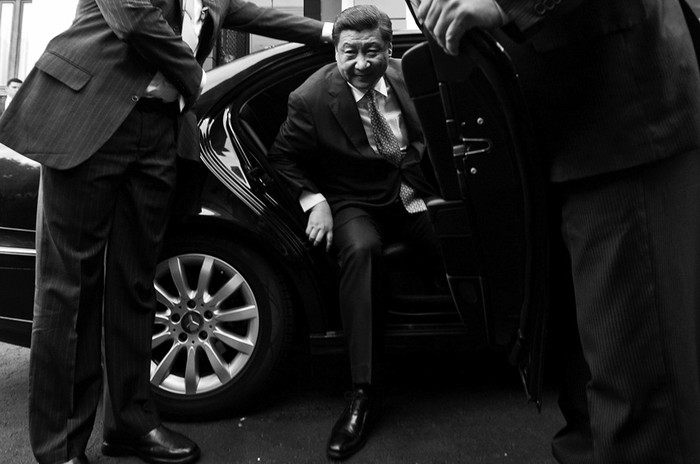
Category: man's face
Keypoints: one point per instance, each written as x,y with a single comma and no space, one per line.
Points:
362,57
12,88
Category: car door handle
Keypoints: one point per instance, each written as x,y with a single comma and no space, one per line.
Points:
469,147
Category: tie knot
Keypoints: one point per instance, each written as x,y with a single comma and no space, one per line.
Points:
372,97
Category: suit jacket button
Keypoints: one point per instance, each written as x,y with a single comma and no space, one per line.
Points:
134,98
540,9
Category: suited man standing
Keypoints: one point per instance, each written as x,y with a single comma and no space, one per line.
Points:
614,88
11,88
350,149
106,110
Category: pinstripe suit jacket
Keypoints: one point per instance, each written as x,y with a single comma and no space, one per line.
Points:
602,79
90,77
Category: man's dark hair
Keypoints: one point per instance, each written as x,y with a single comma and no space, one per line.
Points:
14,79
362,18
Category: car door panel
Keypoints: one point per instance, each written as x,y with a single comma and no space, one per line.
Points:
491,178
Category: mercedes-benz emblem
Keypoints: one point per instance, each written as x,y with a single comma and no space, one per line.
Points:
191,322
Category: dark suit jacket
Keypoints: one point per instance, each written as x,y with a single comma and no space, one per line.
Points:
90,77
612,83
322,146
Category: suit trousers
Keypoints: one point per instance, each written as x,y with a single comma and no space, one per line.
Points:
634,241
359,237
99,226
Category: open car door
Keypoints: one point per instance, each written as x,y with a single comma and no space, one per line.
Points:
492,219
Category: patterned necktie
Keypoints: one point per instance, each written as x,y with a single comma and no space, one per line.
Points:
388,147
189,32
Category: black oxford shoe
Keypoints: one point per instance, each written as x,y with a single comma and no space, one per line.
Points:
352,428
159,446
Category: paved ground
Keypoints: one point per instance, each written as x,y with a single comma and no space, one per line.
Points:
446,408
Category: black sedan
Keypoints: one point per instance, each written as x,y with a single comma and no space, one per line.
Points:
238,280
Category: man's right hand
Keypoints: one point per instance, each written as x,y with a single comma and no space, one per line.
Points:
448,20
320,224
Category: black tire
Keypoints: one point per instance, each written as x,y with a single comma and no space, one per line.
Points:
233,355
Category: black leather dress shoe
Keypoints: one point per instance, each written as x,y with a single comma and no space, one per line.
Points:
159,446
82,459
352,428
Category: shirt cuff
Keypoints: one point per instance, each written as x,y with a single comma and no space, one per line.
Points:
327,33
204,79
308,200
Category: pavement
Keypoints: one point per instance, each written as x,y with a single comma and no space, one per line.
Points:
439,408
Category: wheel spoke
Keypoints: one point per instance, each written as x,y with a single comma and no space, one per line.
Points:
162,317
191,371
217,363
226,290
178,276
243,313
205,274
163,297
160,338
237,343
163,368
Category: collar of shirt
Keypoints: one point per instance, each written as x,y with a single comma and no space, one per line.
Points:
380,87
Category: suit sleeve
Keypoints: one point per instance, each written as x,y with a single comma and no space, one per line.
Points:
527,17
292,153
142,25
247,17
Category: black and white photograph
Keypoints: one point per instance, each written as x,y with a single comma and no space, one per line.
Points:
373,232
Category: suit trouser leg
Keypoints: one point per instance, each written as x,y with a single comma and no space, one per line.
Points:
359,242
359,246
80,215
634,241
65,375
140,218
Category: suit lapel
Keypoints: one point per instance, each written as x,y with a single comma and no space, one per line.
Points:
343,106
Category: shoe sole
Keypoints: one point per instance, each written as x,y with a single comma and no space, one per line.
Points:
343,456
119,450
371,422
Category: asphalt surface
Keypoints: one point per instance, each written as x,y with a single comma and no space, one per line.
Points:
439,408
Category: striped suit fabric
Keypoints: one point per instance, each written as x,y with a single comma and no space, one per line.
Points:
614,91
